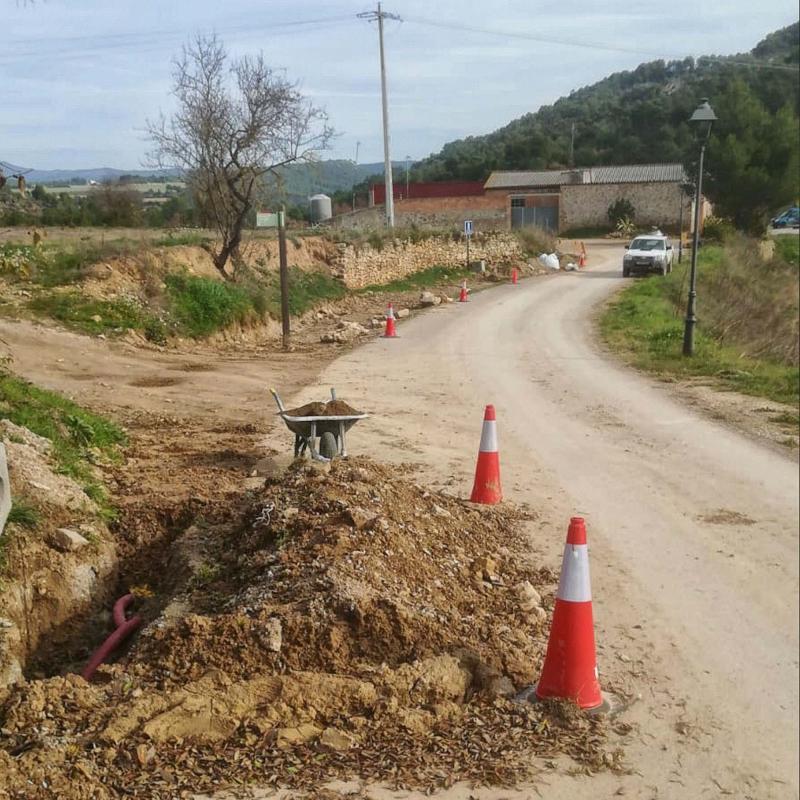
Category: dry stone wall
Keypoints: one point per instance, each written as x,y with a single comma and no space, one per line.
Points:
363,265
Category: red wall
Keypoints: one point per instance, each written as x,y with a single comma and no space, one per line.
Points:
419,190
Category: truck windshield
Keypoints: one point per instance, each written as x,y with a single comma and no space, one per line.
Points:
647,244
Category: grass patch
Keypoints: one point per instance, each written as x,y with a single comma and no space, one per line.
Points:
90,315
788,248
23,513
421,280
204,305
645,323
56,265
306,290
78,436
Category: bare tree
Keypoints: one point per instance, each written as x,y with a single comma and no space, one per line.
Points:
236,121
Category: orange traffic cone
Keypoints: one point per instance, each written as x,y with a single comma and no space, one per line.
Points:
582,261
486,488
570,666
391,330
514,275
462,297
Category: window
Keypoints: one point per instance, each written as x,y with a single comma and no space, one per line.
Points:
517,202
647,244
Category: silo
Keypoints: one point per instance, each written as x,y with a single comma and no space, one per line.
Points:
320,208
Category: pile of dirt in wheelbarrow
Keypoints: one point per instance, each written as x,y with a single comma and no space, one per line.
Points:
333,408
352,624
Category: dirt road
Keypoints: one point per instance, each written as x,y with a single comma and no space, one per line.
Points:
693,527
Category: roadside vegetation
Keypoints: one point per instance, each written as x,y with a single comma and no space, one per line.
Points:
747,334
80,439
421,280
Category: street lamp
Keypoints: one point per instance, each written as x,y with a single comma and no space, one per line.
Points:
703,118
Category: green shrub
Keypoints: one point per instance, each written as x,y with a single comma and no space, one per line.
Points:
376,240
155,330
717,230
204,305
534,240
619,210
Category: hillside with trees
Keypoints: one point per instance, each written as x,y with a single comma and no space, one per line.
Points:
642,116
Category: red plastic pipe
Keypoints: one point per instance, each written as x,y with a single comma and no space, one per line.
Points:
125,627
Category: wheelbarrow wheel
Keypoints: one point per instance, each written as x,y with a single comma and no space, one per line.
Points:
328,446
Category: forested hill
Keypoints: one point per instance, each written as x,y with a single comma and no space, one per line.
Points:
638,116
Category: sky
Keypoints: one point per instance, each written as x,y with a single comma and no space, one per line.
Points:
81,77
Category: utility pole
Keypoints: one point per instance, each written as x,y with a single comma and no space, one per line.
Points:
380,15
358,144
572,146
284,276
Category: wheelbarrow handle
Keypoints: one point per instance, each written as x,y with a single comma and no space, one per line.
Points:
278,401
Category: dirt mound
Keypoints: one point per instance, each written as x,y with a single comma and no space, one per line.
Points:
333,408
350,622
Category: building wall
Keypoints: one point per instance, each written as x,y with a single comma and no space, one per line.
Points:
488,212
422,190
362,265
654,203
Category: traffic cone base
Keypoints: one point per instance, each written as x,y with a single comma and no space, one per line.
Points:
486,489
570,665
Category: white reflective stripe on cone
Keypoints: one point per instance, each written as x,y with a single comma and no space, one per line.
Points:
489,436
574,584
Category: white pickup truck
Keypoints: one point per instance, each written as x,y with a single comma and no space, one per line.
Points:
650,253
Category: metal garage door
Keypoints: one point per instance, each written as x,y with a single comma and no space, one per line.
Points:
544,216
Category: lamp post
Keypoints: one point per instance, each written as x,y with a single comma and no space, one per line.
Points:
704,117
408,162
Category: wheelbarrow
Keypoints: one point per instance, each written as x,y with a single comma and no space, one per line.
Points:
331,431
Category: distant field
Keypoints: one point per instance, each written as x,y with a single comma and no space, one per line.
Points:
80,191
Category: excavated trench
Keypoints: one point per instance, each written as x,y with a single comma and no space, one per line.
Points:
68,646
166,487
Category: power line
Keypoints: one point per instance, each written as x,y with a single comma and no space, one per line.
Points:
589,45
144,41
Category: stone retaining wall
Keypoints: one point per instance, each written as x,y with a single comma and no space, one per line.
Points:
363,265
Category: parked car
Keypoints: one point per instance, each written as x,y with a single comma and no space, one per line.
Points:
650,253
788,219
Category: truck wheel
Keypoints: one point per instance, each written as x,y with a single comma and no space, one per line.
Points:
625,272
328,446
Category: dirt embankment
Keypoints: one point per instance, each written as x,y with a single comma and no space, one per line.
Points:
336,621
59,560
142,275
